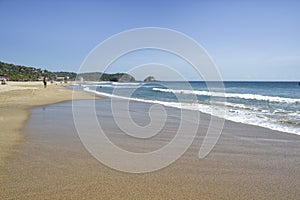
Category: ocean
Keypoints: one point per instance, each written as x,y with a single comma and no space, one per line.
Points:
273,105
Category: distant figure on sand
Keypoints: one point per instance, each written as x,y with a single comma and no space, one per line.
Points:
3,79
45,81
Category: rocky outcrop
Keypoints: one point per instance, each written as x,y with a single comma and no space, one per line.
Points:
150,79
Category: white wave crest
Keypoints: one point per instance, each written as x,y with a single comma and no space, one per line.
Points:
232,95
125,83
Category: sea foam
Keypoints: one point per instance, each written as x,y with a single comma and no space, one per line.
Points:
243,116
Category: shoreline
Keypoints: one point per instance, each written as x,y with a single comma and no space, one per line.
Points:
248,162
16,99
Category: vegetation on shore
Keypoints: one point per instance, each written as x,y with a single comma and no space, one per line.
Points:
24,73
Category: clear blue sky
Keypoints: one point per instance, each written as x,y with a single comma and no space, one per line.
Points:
248,40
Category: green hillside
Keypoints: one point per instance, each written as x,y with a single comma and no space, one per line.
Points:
24,73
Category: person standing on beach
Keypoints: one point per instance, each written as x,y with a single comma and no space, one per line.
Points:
45,81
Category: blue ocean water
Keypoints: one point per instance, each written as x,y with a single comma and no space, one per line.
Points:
273,105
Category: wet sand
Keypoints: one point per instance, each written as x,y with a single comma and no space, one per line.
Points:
248,162
15,99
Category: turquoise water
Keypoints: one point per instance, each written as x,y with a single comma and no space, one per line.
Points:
274,105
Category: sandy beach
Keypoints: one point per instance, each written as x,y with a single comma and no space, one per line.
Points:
248,162
142,100
15,100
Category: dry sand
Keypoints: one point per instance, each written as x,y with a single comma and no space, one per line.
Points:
248,162
15,99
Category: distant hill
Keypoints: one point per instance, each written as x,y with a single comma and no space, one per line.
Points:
71,75
97,76
24,73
